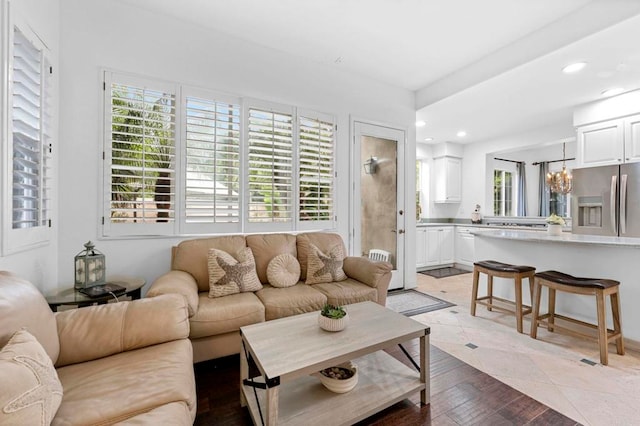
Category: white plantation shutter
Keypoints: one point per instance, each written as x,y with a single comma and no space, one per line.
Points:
141,152
270,166
316,169
26,118
212,164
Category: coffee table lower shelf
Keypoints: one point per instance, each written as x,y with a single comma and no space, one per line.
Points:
382,382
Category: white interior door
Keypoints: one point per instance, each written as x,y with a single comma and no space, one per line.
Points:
378,210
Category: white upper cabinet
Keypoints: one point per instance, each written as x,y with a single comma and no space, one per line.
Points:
609,142
632,139
447,179
600,144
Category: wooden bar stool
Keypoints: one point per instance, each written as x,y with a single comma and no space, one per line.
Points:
601,288
503,270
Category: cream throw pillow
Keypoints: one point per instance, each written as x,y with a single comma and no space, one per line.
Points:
30,391
229,276
325,268
283,271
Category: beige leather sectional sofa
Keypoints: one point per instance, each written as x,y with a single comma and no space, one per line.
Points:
215,322
126,363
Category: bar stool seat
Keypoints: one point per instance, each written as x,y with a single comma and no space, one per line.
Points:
599,287
492,269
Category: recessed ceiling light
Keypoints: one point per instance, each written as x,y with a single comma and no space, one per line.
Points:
461,134
428,139
612,92
572,68
421,123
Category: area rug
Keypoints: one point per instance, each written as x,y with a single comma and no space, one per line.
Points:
411,302
444,272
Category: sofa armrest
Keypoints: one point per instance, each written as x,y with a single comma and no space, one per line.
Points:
103,330
373,274
177,282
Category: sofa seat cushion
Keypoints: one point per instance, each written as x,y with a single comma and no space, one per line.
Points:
284,302
177,412
225,314
121,386
347,292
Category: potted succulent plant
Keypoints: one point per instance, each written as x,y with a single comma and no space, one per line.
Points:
555,224
333,318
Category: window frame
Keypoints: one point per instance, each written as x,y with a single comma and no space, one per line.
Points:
179,227
514,198
20,239
110,229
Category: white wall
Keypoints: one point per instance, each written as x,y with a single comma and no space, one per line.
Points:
38,265
476,178
97,34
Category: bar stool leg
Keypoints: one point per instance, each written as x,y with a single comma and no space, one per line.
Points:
518,283
535,306
490,290
474,291
552,309
617,323
602,328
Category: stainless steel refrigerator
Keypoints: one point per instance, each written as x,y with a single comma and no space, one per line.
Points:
606,200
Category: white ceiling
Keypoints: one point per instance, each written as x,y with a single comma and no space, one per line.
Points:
479,65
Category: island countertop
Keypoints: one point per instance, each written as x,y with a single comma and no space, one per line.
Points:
566,237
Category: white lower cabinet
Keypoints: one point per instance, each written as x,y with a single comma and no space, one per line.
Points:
421,247
464,246
434,246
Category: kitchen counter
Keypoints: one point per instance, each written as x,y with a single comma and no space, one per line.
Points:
565,238
579,255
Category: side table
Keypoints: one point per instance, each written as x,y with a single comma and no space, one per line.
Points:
71,296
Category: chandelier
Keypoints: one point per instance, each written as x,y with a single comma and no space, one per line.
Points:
561,181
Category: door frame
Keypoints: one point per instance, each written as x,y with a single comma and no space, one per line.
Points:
360,127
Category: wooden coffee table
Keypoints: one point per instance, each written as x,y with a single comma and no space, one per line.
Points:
287,350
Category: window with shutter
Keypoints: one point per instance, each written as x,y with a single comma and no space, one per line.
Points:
141,156
212,164
316,172
30,123
270,166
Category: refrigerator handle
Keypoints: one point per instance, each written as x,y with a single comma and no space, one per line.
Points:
623,204
614,187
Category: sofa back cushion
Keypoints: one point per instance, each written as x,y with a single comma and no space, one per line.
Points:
267,246
23,306
192,255
324,241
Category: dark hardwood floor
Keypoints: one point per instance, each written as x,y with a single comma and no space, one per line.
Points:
460,395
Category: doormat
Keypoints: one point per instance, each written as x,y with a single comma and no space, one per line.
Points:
444,272
411,302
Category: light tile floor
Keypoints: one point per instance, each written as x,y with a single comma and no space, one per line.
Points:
549,369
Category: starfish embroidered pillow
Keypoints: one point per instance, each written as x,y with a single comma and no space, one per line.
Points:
325,267
228,275
30,391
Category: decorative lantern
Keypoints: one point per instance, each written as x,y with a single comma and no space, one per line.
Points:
561,182
89,267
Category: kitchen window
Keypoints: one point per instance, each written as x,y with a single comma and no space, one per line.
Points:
503,193
180,160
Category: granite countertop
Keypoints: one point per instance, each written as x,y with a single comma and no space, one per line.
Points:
566,237
480,225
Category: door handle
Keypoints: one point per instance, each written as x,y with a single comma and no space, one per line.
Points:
401,231
612,200
623,204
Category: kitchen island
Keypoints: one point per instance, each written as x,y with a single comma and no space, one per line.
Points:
579,255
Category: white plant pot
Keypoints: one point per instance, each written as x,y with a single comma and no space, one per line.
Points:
554,229
331,324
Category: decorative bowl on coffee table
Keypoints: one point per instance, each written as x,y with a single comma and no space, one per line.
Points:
339,379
